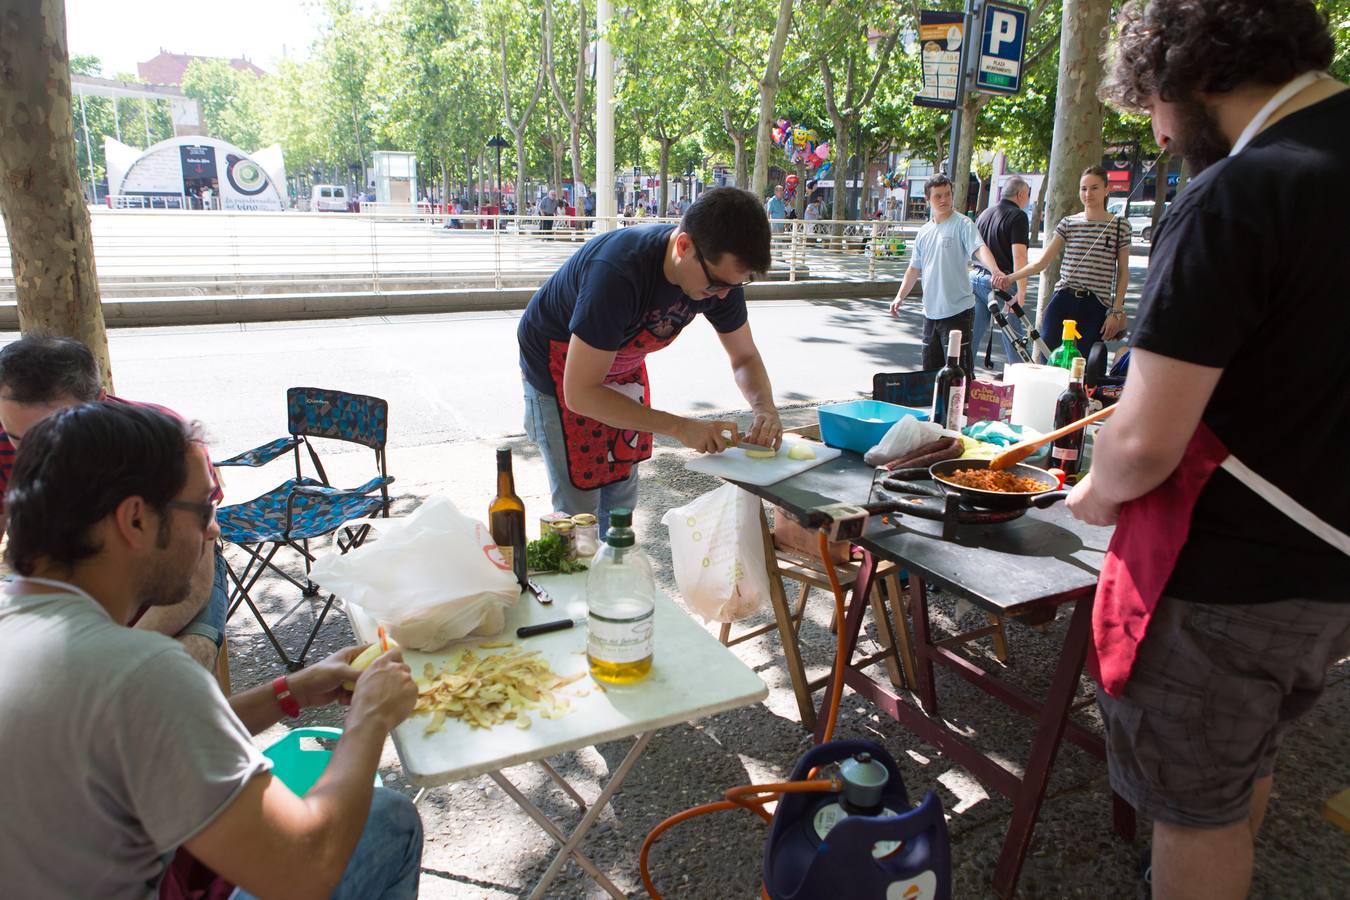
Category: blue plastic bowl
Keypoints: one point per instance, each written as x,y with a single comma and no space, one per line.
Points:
859,424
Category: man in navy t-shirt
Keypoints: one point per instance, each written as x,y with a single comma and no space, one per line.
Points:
587,331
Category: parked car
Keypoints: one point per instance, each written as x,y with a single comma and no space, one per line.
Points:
1141,214
328,198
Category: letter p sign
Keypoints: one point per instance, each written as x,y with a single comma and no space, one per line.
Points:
1003,28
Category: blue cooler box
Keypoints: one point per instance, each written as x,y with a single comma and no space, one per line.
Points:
860,424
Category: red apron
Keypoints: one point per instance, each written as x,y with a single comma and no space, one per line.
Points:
1143,552
600,454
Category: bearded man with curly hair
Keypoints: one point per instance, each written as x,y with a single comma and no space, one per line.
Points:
1225,597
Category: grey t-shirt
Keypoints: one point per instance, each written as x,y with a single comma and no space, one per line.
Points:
118,748
942,253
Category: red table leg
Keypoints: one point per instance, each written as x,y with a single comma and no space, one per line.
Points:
1049,731
852,626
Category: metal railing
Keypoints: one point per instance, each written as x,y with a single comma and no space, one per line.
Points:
171,253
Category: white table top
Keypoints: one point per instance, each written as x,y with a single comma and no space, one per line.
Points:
692,676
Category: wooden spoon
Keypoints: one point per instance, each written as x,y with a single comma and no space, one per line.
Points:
1018,452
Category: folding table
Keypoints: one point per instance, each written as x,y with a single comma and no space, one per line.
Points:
1042,560
693,676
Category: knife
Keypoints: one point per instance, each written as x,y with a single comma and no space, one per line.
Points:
746,445
525,631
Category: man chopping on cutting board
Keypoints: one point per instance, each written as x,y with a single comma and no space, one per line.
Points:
1224,598
587,331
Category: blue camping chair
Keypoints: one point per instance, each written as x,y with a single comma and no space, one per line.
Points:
303,508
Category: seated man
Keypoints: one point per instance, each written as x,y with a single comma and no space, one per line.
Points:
40,374
123,749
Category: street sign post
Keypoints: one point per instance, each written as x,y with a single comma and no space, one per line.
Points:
1003,43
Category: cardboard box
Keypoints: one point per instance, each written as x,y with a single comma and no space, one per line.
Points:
989,400
789,534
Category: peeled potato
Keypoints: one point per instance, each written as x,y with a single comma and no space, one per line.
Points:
366,657
801,451
761,454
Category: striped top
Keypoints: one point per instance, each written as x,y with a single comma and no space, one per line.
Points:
1090,254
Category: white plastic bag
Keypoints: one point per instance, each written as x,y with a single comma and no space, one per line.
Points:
718,552
431,577
905,436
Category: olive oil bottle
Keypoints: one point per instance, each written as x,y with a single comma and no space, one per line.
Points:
621,606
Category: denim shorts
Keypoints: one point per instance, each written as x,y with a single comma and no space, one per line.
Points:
1212,689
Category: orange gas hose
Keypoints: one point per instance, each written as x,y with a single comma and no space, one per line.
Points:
840,661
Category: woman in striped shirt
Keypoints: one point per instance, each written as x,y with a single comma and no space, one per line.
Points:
1095,271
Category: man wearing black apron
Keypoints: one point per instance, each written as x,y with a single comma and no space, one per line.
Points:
587,331
1225,595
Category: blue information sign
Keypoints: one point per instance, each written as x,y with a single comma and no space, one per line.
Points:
1003,42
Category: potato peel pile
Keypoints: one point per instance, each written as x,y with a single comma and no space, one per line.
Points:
488,690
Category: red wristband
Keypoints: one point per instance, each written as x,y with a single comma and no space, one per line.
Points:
285,699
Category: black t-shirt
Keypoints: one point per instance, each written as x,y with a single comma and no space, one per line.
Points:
1001,226
610,291
1245,275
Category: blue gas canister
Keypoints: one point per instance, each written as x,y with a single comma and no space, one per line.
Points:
864,842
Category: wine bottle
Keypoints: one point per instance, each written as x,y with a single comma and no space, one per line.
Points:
506,517
1067,351
949,393
1072,405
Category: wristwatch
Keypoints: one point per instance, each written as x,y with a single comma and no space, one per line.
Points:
285,699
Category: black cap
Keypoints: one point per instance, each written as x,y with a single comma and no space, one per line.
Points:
621,518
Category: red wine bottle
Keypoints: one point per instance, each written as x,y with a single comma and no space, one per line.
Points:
949,393
1072,405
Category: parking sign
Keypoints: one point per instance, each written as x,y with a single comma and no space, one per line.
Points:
1003,41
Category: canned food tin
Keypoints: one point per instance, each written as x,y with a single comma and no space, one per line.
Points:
587,534
567,532
548,520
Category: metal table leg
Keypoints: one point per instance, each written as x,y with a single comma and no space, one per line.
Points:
569,846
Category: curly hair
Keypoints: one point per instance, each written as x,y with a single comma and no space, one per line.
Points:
1173,49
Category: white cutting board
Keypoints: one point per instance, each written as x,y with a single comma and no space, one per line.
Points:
732,463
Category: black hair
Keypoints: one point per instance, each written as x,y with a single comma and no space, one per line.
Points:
935,181
1173,49
77,465
730,220
40,368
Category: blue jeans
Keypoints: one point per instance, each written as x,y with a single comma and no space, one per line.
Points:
1084,308
981,282
386,863
210,621
543,426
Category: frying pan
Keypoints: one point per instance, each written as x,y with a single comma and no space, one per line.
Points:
1049,495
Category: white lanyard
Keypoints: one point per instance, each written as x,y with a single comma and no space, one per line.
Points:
1279,99
1232,465
63,586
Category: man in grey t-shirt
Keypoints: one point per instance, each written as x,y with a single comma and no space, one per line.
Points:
122,749
942,252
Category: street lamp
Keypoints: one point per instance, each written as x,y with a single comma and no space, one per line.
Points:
498,142
689,179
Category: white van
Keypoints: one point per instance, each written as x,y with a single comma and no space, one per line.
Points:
328,198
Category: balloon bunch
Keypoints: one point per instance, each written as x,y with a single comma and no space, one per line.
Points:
895,178
802,146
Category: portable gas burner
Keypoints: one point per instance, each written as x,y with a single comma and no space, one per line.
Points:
924,494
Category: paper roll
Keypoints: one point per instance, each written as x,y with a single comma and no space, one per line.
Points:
1035,390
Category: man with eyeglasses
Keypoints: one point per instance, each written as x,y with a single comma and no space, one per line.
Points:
587,331
42,374
133,775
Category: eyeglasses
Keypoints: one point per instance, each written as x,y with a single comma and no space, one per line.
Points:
206,512
715,284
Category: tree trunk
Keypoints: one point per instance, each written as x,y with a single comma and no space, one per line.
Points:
1077,141
799,200
663,162
578,101
739,141
1038,211
982,201
768,93
50,243
965,149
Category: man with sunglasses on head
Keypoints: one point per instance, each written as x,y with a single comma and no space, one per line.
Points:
587,331
42,374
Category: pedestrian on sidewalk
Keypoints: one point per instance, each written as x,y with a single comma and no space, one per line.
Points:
548,208
777,209
1004,229
1094,273
586,333
942,252
1223,602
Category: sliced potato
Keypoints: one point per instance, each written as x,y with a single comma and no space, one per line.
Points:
801,451
761,454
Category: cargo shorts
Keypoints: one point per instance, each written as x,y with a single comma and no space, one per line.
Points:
1211,691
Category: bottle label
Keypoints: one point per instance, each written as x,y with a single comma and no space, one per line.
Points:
1065,453
619,640
956,403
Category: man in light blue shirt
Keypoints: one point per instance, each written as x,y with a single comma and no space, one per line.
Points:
777,208
942,252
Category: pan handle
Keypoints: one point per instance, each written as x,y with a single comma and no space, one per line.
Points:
1045,501
917,488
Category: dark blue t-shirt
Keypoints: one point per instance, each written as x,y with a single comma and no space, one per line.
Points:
611,291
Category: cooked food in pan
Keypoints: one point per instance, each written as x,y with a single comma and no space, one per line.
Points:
994,480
